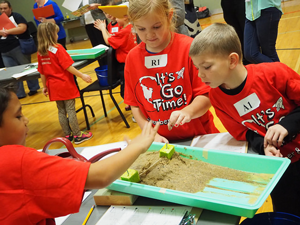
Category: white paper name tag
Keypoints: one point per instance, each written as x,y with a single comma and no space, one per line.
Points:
247,104
115,29
156,61
52,49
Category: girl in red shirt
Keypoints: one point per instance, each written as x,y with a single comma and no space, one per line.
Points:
40,187
55,67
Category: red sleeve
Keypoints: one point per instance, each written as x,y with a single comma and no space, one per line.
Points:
129,97
57,184
118,39
289,81
63,57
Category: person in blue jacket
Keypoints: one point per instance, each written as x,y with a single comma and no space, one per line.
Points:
56,18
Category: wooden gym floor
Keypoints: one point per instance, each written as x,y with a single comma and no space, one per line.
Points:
42,114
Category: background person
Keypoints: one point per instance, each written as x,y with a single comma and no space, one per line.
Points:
261,29
57,18
10,47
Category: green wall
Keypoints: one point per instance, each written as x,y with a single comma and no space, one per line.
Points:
214,6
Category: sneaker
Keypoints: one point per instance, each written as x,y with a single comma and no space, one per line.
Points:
133,120
83,137
70,137
30,93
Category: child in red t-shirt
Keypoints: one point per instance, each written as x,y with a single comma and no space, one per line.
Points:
55,67
259,103
34,186
122,41
113,26
160,79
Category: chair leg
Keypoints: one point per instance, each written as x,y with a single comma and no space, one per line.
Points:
118,108
103,103
85,113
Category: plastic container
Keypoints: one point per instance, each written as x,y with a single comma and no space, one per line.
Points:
80,54
272,218
102,75
235,198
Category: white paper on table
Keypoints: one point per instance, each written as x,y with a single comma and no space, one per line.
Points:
60,220
220,141
71,5
144,215
101,46
22,74
89,152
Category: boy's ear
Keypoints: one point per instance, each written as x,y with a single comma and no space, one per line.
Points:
234,59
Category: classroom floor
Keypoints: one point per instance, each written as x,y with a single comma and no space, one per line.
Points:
43,117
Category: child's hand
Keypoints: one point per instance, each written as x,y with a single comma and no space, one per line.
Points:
100,24
86,78
45,91
270,150
275,135
145,139
159,138
177,118
94,6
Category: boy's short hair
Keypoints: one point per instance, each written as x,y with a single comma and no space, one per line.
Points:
217,39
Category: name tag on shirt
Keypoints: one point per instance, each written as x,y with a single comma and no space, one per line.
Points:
247,104
52,49
115,29
156,61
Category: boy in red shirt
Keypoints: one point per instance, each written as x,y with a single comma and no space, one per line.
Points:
258,103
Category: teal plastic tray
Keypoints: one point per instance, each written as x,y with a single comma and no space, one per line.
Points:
229,197
81,54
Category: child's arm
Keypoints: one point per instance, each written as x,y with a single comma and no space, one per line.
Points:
104,172
77,73
101,25
45,88
197,108
285,130
141,120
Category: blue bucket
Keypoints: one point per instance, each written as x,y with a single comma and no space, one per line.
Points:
272,218
102,75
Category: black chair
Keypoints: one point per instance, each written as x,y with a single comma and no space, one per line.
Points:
32,31
114,80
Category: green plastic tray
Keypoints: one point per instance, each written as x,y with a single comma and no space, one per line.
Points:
234,197
80,54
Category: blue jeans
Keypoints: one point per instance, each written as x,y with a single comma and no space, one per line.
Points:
15,57
260,37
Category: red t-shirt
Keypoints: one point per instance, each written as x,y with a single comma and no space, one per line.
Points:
61,84
113,28
123,41
164,82
271,91
35,187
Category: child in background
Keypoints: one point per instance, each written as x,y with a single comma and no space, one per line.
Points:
258,103
160,79
122,41
39,186
113,26
55,67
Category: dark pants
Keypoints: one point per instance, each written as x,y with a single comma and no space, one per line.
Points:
62,41
234,15
96,38
260,37
286,194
